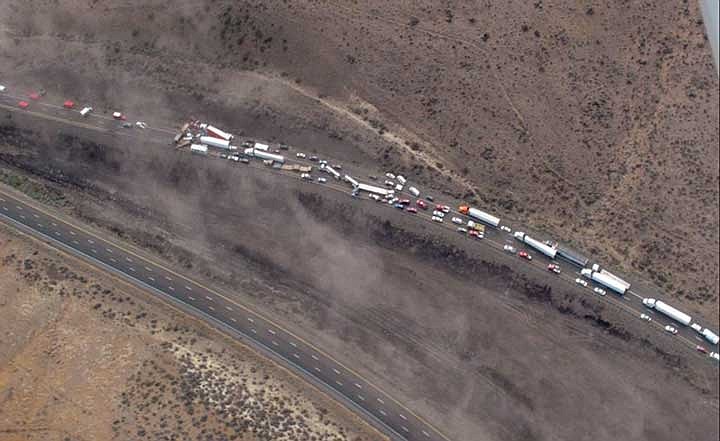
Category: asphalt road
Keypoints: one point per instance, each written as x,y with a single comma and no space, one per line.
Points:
630,303
309,361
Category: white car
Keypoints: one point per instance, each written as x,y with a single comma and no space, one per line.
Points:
509,248
306,176
399,187
462,230
457,220
715,355
581,282
390,184
2,88
437,219
599,291
671,330
324,180
390,175
646,317
301,155
504,228
439,214
141,124
375,197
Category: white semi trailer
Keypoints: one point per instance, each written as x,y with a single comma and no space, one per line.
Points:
199,149
543,248
668,310
605,280
264,155
351,180
480,215
216,142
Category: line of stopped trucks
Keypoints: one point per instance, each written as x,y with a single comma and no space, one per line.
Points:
206,139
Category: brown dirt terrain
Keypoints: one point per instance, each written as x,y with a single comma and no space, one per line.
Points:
418,313
84,356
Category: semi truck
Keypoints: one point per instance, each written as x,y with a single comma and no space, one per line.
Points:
199,149
351,180
217,133
480,215
331,171
264,155
573,257
263,147
216,142
710,336
607,273
668,310
604,280
539,246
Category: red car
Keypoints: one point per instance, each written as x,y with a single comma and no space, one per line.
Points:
473,233
23,104
68,104
34,96
525,255
554,268
422,204
701,349
411,210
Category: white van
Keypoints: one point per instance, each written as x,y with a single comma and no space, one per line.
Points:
85,111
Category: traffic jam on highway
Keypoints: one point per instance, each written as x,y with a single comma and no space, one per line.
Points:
205,139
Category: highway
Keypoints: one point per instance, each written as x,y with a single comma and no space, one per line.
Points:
378,407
